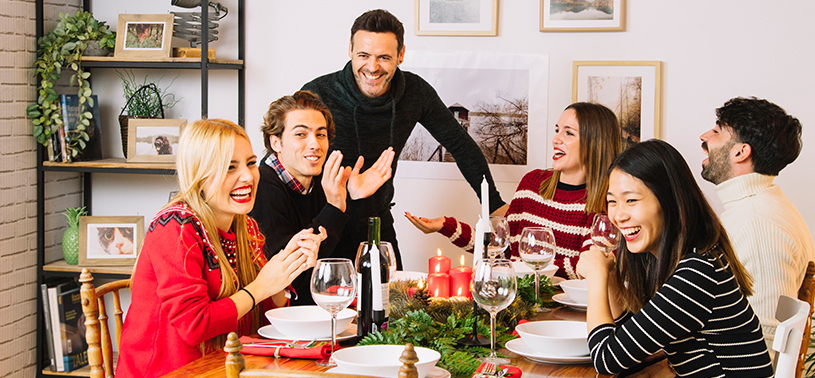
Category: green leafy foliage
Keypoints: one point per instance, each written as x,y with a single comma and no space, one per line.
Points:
147,102
526,290
73,214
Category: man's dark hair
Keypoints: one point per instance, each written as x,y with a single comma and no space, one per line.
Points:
773,135
380,21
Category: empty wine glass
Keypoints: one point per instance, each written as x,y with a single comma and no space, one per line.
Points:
388,247
604,234
493,287
537,249
333,287
499,241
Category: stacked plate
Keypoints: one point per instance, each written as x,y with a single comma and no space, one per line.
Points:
575,294
306,323
552,341
382,360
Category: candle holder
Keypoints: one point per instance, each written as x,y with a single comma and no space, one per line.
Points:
474,339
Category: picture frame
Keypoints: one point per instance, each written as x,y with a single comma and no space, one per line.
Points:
153,140
144,36
456,17
110,240
582,16
632,89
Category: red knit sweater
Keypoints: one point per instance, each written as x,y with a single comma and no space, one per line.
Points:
564,214
173,298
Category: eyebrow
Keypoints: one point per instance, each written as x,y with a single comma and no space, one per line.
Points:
308,127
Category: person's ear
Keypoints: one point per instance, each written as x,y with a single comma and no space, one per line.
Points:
742,152
277,144
401,57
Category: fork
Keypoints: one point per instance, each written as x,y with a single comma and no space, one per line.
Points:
284,344
488,370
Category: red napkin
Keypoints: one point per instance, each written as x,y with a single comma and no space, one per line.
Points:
522,321
512,371
321,351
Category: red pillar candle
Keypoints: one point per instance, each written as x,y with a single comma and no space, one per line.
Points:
461,277
419,286
438,284
439,264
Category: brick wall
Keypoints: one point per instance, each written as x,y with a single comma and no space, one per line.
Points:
18,227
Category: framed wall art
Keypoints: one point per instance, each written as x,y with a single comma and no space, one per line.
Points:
144,36
629,88
152,140
457,17
582,15
110,241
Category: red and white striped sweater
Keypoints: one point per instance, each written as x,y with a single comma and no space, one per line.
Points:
564,214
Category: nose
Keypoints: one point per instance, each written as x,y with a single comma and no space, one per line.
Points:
312,143
556,139
372,65
618,214
705,136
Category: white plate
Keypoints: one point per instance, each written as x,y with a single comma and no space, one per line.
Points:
408,275
435,372
564,299
519,347
270,332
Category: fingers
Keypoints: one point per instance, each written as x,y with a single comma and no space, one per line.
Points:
358,165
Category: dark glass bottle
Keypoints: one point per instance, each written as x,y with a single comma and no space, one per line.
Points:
373,275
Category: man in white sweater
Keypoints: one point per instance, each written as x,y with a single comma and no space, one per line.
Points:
753,140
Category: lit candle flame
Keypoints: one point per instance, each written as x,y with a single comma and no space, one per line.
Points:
462,260
420,284
438,251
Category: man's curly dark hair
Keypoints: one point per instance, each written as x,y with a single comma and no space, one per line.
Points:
773,135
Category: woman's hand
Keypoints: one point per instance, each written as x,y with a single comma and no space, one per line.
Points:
299,255
428,226
595,261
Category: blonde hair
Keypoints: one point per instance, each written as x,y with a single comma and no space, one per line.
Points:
600,142
204,153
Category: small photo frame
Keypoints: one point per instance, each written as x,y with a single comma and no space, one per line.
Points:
457,17
629,88
110,241
582,15
153,140
144,36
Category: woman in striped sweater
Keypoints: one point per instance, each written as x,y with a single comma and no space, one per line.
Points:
685,291
565,198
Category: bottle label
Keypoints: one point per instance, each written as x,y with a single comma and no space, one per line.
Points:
385,290
376,277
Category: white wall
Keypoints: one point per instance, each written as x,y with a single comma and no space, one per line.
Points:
711,51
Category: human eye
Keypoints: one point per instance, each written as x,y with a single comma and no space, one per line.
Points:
300,134
569,133
631,201
611,202
322,135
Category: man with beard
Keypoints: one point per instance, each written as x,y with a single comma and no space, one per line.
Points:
376,105
753,140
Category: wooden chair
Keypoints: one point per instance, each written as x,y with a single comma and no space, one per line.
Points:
793,315
97,333
236,365
806,293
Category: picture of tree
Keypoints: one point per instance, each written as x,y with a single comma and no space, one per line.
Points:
582,9
623,95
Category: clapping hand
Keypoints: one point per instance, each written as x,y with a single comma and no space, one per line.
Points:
363,185
299,255
335,177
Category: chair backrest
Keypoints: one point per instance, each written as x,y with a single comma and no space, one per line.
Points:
97,333
236,365
793,315
806,293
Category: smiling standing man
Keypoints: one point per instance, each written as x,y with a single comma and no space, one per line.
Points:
376,105
753,140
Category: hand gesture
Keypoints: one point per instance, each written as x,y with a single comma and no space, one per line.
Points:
366,184
299,255
428,226
595,261
335,177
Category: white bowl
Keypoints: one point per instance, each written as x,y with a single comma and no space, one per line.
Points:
555,337
308,322
577,290
382,360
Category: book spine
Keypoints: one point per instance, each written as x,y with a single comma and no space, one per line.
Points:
53,298
48,332
72,330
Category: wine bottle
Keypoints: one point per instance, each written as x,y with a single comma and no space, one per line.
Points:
373,274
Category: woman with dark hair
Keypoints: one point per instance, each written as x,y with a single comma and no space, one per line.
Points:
685,290
564,198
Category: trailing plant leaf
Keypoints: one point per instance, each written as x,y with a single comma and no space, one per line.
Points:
146,103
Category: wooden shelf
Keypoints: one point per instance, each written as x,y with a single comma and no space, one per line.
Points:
111,165
189,63
84,371
63,267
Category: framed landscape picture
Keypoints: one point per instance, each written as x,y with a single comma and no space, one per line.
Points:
144,36
457,17
631,89
151,140
110,241
582,15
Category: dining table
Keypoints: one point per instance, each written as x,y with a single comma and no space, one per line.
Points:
213,364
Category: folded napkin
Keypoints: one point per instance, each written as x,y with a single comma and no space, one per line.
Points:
512,371
318,352
522,321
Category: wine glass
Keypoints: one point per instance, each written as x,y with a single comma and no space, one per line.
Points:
493,287
333,287
388,247
500,237
604,234
537,249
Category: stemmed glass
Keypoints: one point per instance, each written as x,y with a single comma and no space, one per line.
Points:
604,234
363,246
493,288
500,237
537,249
333,287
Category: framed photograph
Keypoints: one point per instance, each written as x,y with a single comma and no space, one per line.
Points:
629,88
582,15
152,140
144,36
457,17
107,241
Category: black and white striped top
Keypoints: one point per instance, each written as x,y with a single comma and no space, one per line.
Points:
701,320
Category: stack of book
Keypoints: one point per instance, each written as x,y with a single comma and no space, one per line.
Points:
92,149
65,325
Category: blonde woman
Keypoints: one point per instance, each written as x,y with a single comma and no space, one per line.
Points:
201,273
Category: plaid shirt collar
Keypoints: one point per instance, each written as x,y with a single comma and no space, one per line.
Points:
284,175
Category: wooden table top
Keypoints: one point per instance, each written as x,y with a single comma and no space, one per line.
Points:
213,364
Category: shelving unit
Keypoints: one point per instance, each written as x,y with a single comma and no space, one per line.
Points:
120,165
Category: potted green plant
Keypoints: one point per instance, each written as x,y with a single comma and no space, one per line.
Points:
64,47
145,99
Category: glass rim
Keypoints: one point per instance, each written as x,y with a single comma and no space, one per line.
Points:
332,260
